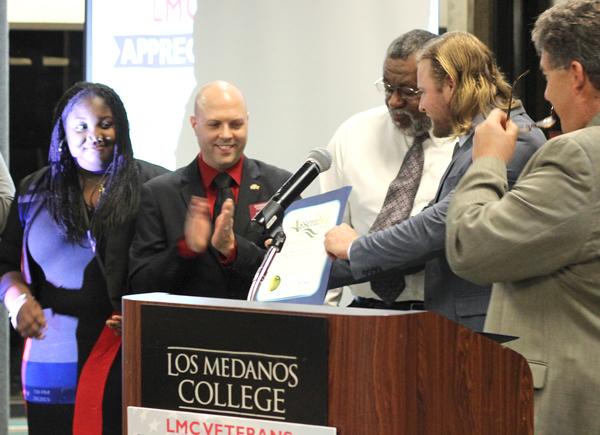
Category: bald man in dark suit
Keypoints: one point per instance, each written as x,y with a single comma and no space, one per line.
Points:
189,239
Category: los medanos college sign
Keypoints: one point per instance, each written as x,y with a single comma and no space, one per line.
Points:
246,364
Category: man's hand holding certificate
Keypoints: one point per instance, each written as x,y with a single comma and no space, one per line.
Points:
299,273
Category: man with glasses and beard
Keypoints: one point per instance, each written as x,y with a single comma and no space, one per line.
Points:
459,83
368,151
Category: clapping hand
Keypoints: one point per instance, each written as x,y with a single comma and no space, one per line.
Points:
197,227
223,238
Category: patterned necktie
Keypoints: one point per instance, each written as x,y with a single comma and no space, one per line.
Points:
223,183
396,207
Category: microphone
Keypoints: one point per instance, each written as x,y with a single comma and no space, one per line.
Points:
318,160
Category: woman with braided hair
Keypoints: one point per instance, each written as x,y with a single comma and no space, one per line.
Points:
63,264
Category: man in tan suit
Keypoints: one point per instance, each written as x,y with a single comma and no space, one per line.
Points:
540,242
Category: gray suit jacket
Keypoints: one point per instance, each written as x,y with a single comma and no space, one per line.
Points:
540,244
420,241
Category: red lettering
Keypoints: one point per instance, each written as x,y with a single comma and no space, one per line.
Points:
207,428
154,10
169,426
181,426
193,426
174,10
191,9
174,5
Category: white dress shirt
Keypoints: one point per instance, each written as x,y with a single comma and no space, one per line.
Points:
367,151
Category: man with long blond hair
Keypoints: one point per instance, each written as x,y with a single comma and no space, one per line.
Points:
463,70
459,84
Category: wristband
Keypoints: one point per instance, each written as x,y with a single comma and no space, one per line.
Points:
15,307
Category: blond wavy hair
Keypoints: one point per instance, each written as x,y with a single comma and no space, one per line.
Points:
470,64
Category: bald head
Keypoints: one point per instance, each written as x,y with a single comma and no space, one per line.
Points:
218,92
220,122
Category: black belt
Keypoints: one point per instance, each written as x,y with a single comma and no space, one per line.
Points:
360,302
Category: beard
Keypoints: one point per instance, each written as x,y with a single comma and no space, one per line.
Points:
419,122
442,129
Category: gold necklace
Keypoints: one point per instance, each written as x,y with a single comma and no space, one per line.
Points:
92,195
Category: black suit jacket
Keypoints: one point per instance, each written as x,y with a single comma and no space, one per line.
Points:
155,263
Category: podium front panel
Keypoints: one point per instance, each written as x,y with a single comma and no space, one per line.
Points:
246,364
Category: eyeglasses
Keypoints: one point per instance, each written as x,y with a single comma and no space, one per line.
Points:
404,91
547,122
523,74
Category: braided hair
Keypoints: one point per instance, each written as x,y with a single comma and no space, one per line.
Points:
119,202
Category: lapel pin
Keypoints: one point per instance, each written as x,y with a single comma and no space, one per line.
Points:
254,187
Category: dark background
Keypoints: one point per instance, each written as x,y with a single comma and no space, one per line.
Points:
55,63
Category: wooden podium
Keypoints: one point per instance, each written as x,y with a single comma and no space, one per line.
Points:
387,372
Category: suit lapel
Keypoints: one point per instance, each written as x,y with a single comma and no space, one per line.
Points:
466,147
250,193
191,184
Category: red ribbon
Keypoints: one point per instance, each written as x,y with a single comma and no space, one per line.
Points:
92,381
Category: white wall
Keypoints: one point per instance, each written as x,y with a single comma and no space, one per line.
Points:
304,66
46,11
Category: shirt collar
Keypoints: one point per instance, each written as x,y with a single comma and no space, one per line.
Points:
476,121
208,173
441,142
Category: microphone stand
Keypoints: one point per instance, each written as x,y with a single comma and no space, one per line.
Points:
275,247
